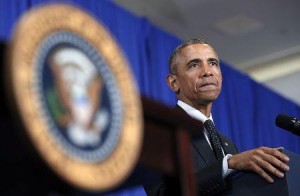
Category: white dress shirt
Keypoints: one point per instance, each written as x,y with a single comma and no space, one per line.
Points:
201,117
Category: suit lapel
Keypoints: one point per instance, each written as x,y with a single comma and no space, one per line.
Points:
200,143
228,146
203,148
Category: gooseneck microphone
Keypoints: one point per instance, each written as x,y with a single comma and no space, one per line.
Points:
288,123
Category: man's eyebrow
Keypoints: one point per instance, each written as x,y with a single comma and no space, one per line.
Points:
194,61
213,59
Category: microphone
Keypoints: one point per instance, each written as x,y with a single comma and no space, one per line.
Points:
288,123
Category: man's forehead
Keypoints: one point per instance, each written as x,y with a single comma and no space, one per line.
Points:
198,50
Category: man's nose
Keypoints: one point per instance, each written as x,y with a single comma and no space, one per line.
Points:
206,71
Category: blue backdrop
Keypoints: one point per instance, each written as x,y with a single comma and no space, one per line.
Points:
245,111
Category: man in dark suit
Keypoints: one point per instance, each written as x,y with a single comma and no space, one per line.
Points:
196,79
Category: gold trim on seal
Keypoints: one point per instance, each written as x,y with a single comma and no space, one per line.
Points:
33,27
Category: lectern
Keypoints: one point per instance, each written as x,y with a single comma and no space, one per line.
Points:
249,184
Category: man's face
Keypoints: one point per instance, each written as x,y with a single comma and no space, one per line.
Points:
198,77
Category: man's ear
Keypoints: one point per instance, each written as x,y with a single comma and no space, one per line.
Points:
173,83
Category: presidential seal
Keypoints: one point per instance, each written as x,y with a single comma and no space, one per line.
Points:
76,96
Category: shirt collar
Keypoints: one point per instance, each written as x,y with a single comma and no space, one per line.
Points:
193,112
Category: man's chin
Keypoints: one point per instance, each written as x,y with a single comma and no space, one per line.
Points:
208,99
209,95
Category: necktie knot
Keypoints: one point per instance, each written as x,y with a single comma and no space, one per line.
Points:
214,139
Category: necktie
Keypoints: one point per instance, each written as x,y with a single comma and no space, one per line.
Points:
214,139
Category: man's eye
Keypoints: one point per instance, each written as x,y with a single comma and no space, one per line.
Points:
213,63
194,65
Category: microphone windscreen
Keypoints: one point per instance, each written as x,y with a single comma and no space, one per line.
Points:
284,122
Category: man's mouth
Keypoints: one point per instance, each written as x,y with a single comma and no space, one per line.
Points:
207,84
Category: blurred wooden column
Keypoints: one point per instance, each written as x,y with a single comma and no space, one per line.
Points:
166,145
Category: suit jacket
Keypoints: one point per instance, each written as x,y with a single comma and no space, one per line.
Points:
207,169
